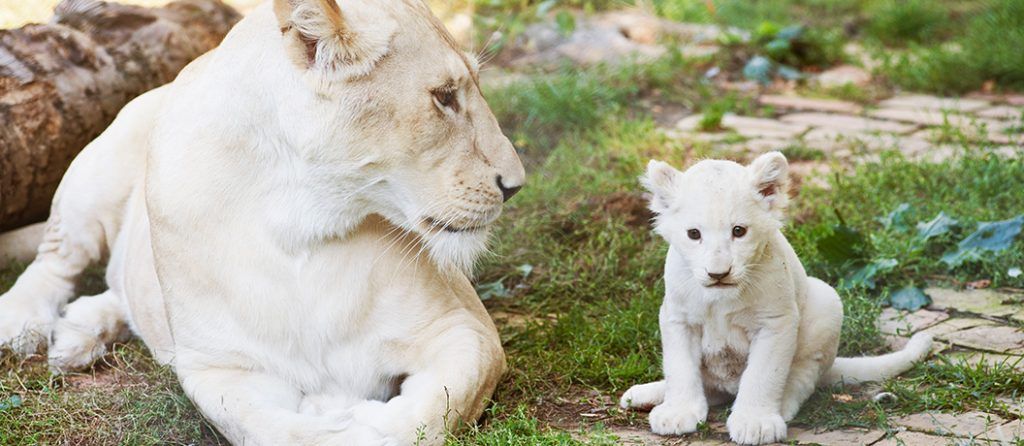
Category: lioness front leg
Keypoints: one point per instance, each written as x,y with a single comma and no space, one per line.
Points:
756,414
257,409
685,405
461,367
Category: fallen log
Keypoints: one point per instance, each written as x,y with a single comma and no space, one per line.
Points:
63,82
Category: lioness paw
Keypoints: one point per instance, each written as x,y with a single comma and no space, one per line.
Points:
676,419
750,428
643,396
24,328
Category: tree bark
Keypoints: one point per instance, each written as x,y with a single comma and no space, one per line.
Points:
62,83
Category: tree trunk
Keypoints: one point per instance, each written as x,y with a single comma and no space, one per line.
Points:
62,83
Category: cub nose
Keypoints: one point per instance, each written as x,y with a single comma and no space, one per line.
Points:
720,276
507,191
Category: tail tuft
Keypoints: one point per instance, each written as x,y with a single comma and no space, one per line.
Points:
877,368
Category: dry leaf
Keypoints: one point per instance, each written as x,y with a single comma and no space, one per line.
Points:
979,284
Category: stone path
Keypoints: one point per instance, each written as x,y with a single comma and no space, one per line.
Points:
921,127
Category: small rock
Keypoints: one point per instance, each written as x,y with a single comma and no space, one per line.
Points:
813,104
848,123
843,75
961,425
918,102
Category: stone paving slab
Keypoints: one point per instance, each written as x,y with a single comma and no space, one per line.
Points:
999,339
934,103
909,438
836,140
1001,112
1008,433
848,123
990,359
813,104
987,302
933,117
749,127
843,437
944,329
893,321
970,424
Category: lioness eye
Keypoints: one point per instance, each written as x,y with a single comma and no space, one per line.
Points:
693,234
446,98
739,231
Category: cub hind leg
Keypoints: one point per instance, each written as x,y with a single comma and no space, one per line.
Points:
818,342
84,220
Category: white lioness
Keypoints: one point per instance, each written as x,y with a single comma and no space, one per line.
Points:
740,316
287,225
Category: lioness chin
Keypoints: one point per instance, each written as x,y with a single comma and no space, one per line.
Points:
288,225
741,319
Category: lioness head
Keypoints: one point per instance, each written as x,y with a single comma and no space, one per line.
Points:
391,110
717,215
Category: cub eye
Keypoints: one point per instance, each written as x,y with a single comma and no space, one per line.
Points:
739,231
693,234
445,97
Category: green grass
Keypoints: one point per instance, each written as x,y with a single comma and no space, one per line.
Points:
900,22
988,49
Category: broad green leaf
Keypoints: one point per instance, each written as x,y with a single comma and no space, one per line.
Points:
939,225
990,237
759,69
897,219
909,298
525,269
492,289
789,73
791,32
843,245
865,276
13,402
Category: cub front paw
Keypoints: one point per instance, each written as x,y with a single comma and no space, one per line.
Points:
643,396
676,419
751,428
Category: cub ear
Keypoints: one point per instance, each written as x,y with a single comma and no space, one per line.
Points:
661,180
319,35
770,178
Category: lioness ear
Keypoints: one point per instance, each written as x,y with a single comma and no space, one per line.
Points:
661,180
318,34
770,177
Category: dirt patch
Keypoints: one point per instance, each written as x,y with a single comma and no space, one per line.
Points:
630,206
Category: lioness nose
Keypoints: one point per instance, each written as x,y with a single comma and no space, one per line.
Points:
507,191
720,276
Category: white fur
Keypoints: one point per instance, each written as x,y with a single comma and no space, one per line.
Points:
770,336
268,228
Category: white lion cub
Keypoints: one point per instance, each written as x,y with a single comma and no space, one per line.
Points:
740,317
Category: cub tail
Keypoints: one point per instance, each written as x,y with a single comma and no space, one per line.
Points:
877,368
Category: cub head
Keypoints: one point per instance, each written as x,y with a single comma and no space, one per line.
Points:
387,108
718,215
